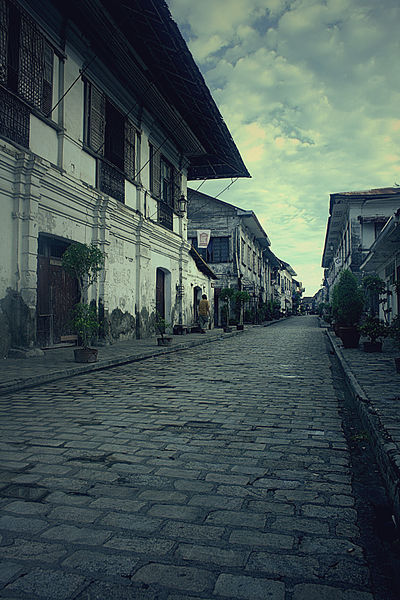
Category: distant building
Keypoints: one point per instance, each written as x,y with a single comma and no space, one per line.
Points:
383,259
235,250
355,221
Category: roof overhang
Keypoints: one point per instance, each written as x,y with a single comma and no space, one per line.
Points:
201,264
143,46
254,226
386,245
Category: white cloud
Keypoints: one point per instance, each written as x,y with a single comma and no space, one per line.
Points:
311,95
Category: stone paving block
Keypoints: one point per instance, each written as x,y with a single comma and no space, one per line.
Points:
348,571
77,535
229,479
74,513
329,512
112,491
183,473
134,522
178,530
271,507
190,579
213,555
22,524
23,549
310,591
331,546
68,498
299,524
163,496
249,588
117,504
26,508
100,564
142,545
193,486
51,585
238,518
249,537
175,511
100,590
299,496
216,501
8,570
287,565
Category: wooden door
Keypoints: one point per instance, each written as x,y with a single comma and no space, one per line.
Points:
57,293
160,293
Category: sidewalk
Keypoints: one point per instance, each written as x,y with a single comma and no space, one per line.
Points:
375,387
58,363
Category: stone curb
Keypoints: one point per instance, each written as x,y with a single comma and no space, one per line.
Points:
29,382
387,452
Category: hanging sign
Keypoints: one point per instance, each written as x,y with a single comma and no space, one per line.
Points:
203,238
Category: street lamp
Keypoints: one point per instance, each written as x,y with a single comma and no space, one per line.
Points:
182,205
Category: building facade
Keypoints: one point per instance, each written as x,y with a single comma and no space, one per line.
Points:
355,221
99,133
383,259
235,251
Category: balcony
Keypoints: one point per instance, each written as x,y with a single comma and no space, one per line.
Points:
111,180
165,216
14,118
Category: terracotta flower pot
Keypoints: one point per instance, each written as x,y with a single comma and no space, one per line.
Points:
350,336
85,355
165,341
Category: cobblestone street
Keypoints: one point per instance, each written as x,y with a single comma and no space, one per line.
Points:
216,472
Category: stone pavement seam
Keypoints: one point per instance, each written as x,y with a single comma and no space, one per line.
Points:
386,451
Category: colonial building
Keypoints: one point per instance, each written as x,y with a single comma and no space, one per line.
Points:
355,221
104,116
383,259
235,249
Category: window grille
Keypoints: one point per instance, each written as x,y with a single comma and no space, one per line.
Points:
165,216
155,171
30,80
4,22
219,249
130,150
26,59
14,119
111,181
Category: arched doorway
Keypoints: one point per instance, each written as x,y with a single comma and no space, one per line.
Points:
160,293
197,292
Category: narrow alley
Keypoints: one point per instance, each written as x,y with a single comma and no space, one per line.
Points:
218,472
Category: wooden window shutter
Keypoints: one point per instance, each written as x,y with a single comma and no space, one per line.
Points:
48,60
31,67
176,191
155,171
4,22
130,150
97,119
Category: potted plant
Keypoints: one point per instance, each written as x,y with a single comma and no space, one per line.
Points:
84,262
161,327
347,308
394,333
226,295
241,297
375,330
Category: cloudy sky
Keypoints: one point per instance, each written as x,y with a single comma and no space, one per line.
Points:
310,91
